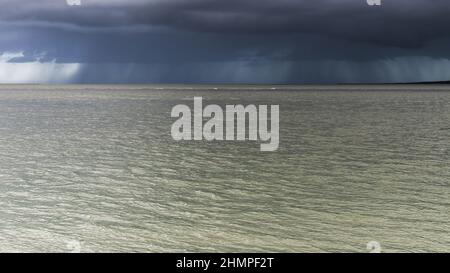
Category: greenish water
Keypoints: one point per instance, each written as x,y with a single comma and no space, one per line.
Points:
94,168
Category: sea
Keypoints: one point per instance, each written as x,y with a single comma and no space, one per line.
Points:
93,168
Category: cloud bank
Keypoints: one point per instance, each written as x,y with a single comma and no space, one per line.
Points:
250,41
34,72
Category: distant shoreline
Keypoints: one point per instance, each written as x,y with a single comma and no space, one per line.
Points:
218,87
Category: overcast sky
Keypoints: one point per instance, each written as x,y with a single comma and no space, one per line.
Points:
224,41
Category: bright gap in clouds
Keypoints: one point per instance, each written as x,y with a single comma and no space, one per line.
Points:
35,71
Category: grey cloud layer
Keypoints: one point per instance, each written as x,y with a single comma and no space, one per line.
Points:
211,40
403,23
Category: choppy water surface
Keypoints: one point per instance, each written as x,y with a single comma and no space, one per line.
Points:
97,165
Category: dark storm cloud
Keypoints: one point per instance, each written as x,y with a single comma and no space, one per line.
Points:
403,23
281,41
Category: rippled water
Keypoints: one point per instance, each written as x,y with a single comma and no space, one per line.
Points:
95,169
